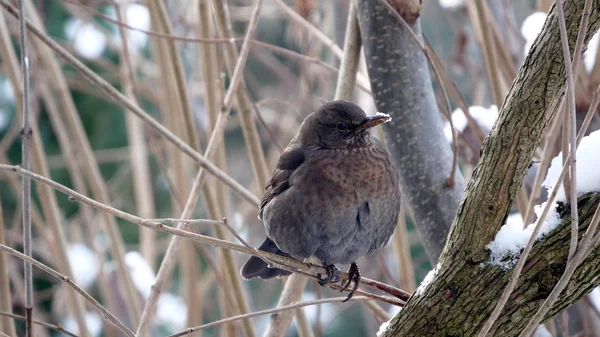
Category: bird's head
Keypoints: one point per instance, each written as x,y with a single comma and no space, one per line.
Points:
339,124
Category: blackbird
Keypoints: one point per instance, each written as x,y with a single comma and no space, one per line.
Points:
334,195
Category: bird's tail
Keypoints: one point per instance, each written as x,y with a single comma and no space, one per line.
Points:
255,267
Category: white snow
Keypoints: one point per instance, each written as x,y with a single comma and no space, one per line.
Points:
172,311
84,264
588,162
483,116
6,90
541,331
512,238
394,310
452,4
595,298
531,27
383,328
589,57
4,119
143,278
88,41
92,319
141,273
428,278
138,17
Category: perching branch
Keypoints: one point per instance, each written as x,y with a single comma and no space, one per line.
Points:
307,269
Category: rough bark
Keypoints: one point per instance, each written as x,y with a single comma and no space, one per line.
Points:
466,289
463,294
402,87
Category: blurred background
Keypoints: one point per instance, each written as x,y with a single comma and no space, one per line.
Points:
132,168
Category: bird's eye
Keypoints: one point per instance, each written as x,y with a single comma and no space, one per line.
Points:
341,126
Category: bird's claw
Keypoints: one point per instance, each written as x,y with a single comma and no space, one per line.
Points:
353,275
331,276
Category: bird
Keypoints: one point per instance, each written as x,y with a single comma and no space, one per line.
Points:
334,195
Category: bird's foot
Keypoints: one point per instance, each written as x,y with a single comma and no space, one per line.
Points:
331,276
353,275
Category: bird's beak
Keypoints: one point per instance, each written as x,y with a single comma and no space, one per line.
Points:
372,121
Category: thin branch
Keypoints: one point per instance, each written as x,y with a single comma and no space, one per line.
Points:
105,313
489,54
349,66
278,261
362,84
26,133
138,147
128,104
547,157
302,22
55,327
5,293
572,128
265,312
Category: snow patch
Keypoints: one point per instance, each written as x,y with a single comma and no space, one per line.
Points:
512,237
138,17
92,320
4,119
588,162
88,41
84,264
383,328
589,57
531,27
452,4
541,331
6,90
428,278
483,116
595,298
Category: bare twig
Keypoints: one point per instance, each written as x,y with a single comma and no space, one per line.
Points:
264,312
128,104
543,166
337,51
26,132
362,84
349,66
5,294
138,148
55,327
489,54
402,251
105,313
572,128
168,261
278,261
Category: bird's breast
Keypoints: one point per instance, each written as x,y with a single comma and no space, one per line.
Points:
358,171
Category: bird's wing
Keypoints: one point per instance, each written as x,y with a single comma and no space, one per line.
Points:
291,158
